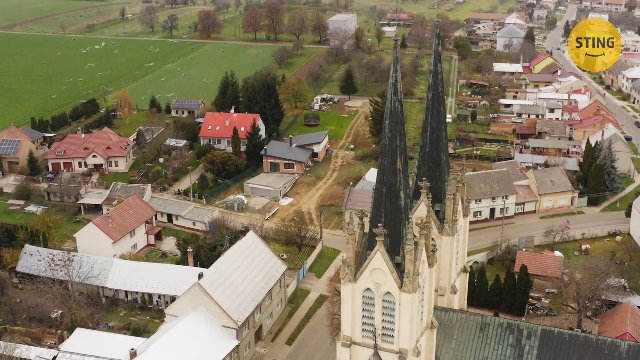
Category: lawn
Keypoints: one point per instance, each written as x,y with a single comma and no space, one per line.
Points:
636,164
622,203
159,256
428,8
128,126
317,304
297,298
625,181
295,259
14,11
325,258
336,123
176,233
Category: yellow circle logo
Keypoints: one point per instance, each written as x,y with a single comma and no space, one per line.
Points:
594,45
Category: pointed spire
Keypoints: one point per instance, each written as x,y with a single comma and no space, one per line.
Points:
391,196
433,155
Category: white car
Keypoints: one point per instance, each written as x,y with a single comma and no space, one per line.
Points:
449,119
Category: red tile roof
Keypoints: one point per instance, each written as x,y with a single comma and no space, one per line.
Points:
614,2
594,108
538,59
105,143
220,125
590,121
524,194
540,264
526,129
488,16
125,217
621,322
570,108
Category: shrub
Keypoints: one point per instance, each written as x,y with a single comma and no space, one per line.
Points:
24,191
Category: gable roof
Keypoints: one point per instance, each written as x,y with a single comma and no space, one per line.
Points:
596,107
510,31
220,124
618,67
182,208
540,264
242,276
487,16
125,191
593,120
10,146
525,194
191,105
463,335
489,183
538,77
507,67
310,138
551,127
125,217
194,335
21,351
358,199
621,322
31,133
97,345
104,142
283,150
551,180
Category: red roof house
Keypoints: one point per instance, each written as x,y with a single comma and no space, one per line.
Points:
100,150
540,264
621,322
217,128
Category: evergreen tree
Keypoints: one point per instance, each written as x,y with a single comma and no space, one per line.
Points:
154,105
566,30
597,185
203,181
523,286
474,115
376,116
220,102
235,142
471,289
608,161
587,163
530,37
597,150
509,290
348,83
495,293
254,145
260,96
167,108
34,123
482,288
232,97
403,42
32,164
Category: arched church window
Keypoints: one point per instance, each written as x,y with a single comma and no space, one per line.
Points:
368,314
388,328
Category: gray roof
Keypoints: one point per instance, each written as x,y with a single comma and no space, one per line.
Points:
510,31
283,150
67,189
358,199
464,335
192,105
553,143
31,133
182,208
200,214
489,183
273,180
528,109
554,105
618,67
570,164
125,191
509,164
551,180
310,138
541,77
551,127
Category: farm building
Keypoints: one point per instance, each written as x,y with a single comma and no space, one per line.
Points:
217,128
316,141
182,213
279,156
540,264
342,27
184,108
269,185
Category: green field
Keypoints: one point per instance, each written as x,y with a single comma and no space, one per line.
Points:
336,124
45,74
15,11
427,8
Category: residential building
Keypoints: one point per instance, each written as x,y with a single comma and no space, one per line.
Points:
613,6
64,192
181,213
540,16
15,145
630,41
279,156
536,111
544,63
120,191
316,141
507,105
538,80
635,92
624,154
627,77
622,322
509,38
93,344
516,20
270,185
540,264
521,94
507,69
341,28
491,195
244,290
552,188
138,282
532,161
184,108
102,150
634,226
612,75
596,107
495,19
555,147
586,126
551,129
125,229
553,110
570,112
358,198
217,128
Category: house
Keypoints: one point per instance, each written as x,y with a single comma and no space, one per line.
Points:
507,105
184,108
555,147
120,191
359,198
538,80
127,228
540,16
244,290
507,69
157,284
612,75
540,264
544,63
270,185
509,38
495,19
551,129
516,20
620,147
491,194
281,157
316,141
553,110
596,107
627,77
15,146
570,112
399,19
586,126
614,6
12,351
635,92
521,94
598,15
102,150
536,111
532,161
630,41
634,226
217,128
93,344
64,192
552,188
182,213
341,27
622,322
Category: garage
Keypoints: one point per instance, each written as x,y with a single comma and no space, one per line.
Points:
269,185
67,165
56,166
13,166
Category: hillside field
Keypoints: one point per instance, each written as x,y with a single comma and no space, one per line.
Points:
45,74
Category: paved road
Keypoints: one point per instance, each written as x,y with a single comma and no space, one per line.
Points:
554,41
315,342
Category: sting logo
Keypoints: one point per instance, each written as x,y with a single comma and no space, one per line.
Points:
594,45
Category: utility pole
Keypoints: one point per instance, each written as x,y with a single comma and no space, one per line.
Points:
504,213
190,185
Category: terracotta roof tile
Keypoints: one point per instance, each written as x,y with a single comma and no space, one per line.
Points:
220,125
540,264
621,322
125,217
105,143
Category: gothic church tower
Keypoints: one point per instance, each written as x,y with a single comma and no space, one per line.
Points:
414,257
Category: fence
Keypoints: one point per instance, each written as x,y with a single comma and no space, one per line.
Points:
572,235
222,187
302,272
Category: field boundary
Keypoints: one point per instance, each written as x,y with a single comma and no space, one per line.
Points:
50,16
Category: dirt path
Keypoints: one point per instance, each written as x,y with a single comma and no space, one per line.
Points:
49,16
309,202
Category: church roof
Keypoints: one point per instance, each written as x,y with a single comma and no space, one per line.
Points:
433,155
463,335
391,194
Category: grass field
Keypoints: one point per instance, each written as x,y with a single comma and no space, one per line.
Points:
426,8
323,261
622,203
46,74
336,124
14,11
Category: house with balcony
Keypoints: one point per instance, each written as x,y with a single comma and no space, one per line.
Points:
217,128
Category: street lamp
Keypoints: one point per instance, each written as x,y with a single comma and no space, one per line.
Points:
190,185
161,160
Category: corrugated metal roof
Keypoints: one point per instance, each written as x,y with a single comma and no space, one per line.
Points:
84,344
463,335
21,351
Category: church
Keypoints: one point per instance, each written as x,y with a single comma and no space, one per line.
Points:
404,282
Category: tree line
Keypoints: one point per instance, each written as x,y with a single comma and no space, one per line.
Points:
598,174
84,109
512,296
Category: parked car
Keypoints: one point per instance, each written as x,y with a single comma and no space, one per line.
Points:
628,137
51,175
637,123
449,119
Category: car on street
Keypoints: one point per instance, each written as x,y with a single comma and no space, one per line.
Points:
628,137
637,123
51,175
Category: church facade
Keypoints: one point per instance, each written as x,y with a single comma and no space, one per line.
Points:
414,256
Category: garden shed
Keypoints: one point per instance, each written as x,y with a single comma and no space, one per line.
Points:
269,185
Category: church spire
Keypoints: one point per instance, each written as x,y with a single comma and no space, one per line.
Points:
391,196
433,155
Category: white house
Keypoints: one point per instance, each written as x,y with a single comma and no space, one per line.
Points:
127,228
492,195
93,344
244,290
217,128
342,27
509,38
614,6
182,213
184,108
630,41
627,77
635,221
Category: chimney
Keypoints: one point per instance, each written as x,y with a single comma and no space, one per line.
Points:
227,122
79,131
233,109
200,275
132,353
290,140
190,256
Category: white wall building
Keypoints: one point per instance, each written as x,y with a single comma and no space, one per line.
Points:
342,27
492,195
635,221
509,38
182,213
630,41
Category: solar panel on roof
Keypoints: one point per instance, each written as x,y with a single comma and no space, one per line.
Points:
9,146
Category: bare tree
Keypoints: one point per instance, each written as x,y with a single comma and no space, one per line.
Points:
273,14
584,286
122,12
298,23
379,36
208,23
149,17
334,307
554,234
64,26
170,24
317,76
252,21
319,26
297,231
